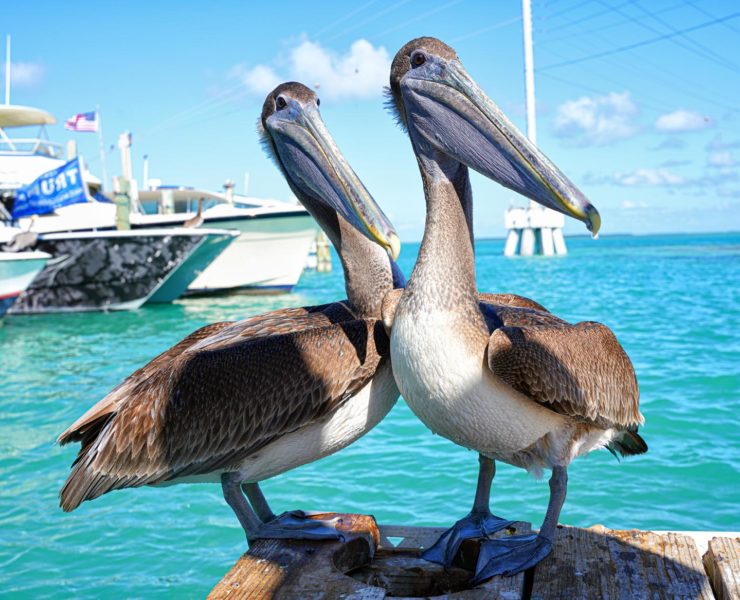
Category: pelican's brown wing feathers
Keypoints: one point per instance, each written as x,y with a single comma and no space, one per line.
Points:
78,431
577,370
210,409
214,335
510,300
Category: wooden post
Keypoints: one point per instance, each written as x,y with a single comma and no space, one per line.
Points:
122,199
722,562
305,569
375,563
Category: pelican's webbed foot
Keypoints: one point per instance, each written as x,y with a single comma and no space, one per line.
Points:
296,525
476,525
510,555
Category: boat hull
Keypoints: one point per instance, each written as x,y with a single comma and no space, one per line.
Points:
207,251
268,256
114,270
17,271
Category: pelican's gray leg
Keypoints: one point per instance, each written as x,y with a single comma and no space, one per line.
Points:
479,523
292,525
238,503
258,501
512,555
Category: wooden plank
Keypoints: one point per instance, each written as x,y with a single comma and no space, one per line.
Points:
722,563
601,563
399,569
306,569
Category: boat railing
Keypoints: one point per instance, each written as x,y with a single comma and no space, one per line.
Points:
30,147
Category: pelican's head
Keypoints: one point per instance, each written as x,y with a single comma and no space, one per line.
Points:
297,139
445,111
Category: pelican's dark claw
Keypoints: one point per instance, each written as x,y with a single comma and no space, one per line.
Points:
473,526
510,555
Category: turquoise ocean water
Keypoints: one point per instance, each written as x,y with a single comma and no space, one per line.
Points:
673,301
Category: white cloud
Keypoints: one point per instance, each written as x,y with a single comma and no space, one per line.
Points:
258,80
598,119
721,182
723,158
647,177
681,120
25,74
359,73
634,204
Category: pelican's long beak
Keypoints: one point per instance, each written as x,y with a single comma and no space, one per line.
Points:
309,153
451,113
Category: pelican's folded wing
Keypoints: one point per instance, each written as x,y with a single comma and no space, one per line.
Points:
577,370
211,336
510,300
103,409
210,409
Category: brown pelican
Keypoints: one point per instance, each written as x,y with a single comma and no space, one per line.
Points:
509,380
237,403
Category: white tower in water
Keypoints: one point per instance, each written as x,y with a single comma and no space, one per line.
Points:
534,229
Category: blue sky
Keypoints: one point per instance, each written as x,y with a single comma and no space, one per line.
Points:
637,101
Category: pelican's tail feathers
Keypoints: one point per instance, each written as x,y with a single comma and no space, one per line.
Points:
627,443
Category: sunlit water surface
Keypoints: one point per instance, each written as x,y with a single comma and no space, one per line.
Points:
673,301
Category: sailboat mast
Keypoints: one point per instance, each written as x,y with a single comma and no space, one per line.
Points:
7,70
529,71
534,229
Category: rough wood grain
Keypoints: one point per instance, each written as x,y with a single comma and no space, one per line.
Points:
585,563
399,569
722,563
309,570
601,563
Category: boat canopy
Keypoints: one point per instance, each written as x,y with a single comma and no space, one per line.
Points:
17,116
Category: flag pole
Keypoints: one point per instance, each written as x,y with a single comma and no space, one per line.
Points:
101,146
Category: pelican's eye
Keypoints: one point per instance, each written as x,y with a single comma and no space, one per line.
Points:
418,58
318,101
280,103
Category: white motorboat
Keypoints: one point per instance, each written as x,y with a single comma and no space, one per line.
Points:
17,271
268,256
89,269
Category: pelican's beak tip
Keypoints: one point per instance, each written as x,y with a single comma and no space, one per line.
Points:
593,221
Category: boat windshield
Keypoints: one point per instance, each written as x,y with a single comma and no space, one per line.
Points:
154,207
30,146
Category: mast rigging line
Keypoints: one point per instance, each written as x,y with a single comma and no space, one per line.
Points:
695,47
568,36
639,44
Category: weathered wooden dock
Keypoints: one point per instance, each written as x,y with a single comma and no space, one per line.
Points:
383,562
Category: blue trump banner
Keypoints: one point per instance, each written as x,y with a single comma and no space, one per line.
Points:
53,189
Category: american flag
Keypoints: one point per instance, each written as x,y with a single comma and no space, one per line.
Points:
83,122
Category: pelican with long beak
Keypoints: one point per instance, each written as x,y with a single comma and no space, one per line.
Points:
509,380
237,403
